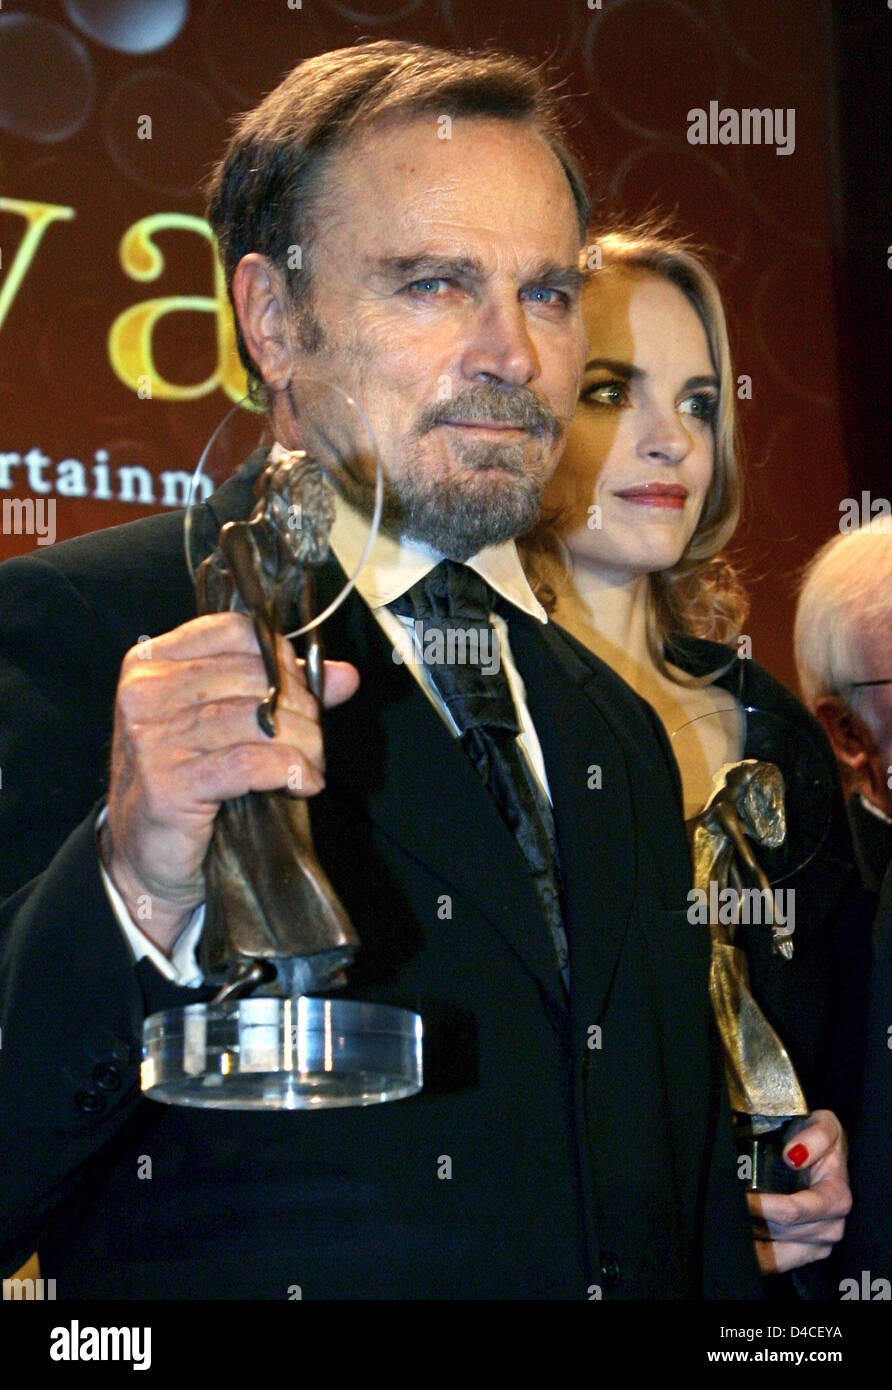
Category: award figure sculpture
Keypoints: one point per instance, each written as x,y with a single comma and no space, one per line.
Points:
274,929
271,915
766,1096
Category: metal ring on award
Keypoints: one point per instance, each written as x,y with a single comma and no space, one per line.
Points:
275,934
749,807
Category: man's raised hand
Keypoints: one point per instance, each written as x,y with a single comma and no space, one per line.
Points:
186,738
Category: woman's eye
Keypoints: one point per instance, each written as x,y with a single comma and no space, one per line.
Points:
702,406
605,393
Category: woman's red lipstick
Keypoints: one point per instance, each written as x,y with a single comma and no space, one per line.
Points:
671,495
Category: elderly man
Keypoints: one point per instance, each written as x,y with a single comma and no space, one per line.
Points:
572,1076
843,641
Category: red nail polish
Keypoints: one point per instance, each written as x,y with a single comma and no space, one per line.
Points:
797,1155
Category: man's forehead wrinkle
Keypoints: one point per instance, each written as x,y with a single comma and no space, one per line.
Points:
475,243
438,183
404,262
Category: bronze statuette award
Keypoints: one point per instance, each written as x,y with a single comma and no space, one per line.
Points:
746,809
275,934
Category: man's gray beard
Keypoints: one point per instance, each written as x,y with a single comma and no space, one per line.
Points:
453,518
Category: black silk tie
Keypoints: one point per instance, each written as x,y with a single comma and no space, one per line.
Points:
450,609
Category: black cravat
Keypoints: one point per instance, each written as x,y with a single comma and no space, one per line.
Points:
451,610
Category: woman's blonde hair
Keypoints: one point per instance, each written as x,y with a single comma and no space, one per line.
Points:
701,595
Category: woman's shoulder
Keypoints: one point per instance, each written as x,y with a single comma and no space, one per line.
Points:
736,672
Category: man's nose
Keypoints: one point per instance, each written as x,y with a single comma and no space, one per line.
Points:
663,437
500,346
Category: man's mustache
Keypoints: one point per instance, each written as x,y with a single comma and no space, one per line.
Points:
500,407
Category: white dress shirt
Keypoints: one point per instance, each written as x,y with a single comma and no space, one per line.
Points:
874,809
391,568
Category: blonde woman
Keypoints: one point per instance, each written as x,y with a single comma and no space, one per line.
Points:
629,561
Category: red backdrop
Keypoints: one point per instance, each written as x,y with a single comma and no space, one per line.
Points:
80,168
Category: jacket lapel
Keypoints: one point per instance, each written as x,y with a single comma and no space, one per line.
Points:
594,825
232,501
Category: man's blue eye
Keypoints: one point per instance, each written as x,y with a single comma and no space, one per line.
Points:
425,286
557,296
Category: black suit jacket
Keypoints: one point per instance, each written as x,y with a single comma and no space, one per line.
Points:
872,838
577,1170
867,1248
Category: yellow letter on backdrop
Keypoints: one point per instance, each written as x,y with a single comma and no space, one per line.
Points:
38,217
130,336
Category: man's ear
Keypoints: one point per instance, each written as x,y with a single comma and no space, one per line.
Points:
854,745
262,305
850,737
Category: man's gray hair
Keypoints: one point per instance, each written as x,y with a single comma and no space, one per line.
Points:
845,598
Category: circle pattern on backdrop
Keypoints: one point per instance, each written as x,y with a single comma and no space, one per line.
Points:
187,130
261,45
612,58
710,201
498,22
766,38
140,26
386,12
47,86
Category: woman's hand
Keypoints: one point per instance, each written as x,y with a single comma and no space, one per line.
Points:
795,1228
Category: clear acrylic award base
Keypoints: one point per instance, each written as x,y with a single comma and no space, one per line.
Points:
267,1053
